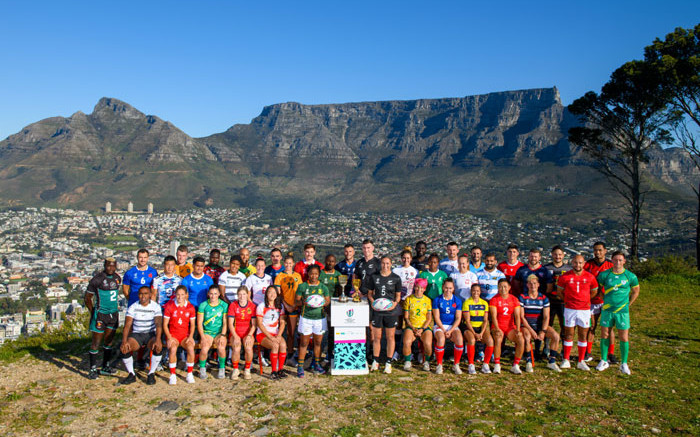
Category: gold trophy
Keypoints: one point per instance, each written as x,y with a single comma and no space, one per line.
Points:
343,281
356,295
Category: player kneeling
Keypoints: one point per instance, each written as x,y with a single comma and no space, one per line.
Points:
143,327
417,313
505,317
447,312
212,331
475,311
241,313
179,320
535,323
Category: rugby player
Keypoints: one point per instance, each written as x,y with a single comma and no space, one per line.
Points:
505,321
597,265
475,312
329,275
577,288
434,276
418,322
557,268
407,273
312,321
270,328
533,267
212,331
231,280
241,328
488,277
164,285
420,262
183,268
621,289
366,266
246,268
139,275
143,327
276,267
347,266
101,300
535,323
302,266
475,263
213,269
179,323
511,265
197,282
449,264
258,282
384,285
464,278
447,314
288,282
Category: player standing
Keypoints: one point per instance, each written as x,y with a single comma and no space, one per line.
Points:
183,268
246,268
505,321
447,314
179,320
434,276
139,275
197,282
275,267
407,273
384,285
464,278
258,282
475,311
302,266
475,263
557,268
595,266
213,269
450,264
366,266
510,266
312,321
418,322
165,284
420,261
212,331
347,266
488,277
533,267
104,315
231,280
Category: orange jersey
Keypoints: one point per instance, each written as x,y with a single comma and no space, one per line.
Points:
183,270
288,285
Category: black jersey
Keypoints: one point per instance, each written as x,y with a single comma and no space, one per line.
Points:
421,266
387,287
364,269
105,288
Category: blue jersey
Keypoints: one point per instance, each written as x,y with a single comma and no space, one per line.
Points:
534,309
269,270
448,308
449,266
165,288
475,269
347,269
489,283
197,288
136,279
542,274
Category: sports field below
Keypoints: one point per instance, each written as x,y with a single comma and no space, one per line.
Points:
44,391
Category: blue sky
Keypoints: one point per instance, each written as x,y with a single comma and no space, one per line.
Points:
207,65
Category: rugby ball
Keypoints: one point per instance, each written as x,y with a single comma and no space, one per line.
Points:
382,304
315,301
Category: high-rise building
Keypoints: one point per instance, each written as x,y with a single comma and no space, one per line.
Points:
108,207
150,208
173,247
130,207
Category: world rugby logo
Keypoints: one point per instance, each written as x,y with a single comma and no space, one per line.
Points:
349,312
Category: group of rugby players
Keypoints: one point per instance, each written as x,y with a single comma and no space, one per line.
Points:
464,298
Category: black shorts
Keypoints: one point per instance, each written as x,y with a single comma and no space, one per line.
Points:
142,338
99,322
479,329
556,308
382,319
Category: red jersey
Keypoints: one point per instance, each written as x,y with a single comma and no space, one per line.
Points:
180,316
301,267
213,272
505,309
509,270
595,269
242,316
576,289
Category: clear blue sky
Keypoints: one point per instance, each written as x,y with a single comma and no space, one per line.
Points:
207,65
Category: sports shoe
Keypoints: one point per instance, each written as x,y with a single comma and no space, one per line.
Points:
426,366
588,357
318,370
375,366
235,373
612,359
624,369
108,371
602,365
515,369
438,369
203,372
565,364
387,368
300,371
130,378
282,374
456,369
485,368
246,374
264,362
274,376
471,369
480,356
553,366
159,367
93,373
173,379
528,367
190,378
582,366
407,366
221,374
151,379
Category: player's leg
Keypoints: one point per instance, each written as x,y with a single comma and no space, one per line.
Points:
611,348
439,349
554,338
128,350
274,347
171,346
292,322
498,342
188,345
97,329
156,355
427,340
236,345
488,342
205,343
470,340
303,345
316,363
220,345
408,339
624,342
569,327
516,337
458,340
248,344
376,334
582,329
604,342
527,343
595,321
390,342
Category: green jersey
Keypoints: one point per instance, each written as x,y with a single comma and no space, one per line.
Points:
330,280
435,281
305,290
213,317
105,288
617,289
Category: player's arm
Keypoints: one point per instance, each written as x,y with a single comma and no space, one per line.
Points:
263,329
126,287
327,296
468,320
253,324
523,322
428,319
436,317
493,312
397,295
370,295
222,293
545,322
594,291
87,299
166,329
280,331
154,292
193,326
232,326
518,324
128,322
406,313
224,329
458,320
634,294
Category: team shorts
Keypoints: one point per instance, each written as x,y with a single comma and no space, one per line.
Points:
179,337
142,338
312,326
556,309
580,318
596,308
436,328
478,330
241,331
99,322
259,337
610,319
384,319
426,329
506,328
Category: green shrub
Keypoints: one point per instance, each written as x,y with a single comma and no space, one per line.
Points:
668,265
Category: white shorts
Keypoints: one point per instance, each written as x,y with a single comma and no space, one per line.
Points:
436,328
596,308
580,318
309,326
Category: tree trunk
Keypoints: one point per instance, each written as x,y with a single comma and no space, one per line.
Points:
697,233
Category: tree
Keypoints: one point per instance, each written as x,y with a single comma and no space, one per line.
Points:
619,127
677,59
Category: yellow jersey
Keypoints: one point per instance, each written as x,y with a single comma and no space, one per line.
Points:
477,311
418,309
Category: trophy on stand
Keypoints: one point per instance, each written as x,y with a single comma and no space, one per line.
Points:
356,295
343,281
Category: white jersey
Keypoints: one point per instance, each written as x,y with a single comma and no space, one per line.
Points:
257,287
232,284
489,282
408,276
463,283
144,317
449,266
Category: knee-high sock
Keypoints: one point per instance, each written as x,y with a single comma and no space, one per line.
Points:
439,354
281,360
589,347
273,361
604,344
173,368
611,348
582,346
106,355
155,360
93,358
624,350
568,345
458,353
129,363
471,349
488,353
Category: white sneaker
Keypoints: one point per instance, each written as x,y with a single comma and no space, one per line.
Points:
456,369
203,373
396,356
173,379
528,367
485,368
602,365
387,368
246,374
471,369
583,366
407,366
236,372
624,369
565,364
554,367
264,362
426,366
438,369
496,368
516,369
375,366
222,374
190,378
